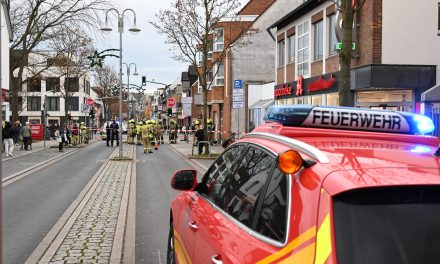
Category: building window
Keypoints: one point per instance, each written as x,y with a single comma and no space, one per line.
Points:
220,76
34,85
209,78
72,103
318,40
86,87
210,48
317,99
52,103
303,49
199,87
53,84
34,103
281,52
71,84
291,52
332,41
219,40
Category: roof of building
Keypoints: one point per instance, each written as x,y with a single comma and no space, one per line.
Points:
304,8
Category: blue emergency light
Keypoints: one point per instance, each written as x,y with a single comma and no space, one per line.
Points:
350,118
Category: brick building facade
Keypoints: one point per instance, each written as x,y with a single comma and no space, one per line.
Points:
382,76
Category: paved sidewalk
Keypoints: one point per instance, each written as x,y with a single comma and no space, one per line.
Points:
92,230
39,146
187,149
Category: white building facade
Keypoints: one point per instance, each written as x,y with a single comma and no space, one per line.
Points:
47,91
5,38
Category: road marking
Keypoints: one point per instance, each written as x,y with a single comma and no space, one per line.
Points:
63,225
158,253
26,172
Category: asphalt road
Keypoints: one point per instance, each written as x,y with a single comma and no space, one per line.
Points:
32,205
153,197
20,163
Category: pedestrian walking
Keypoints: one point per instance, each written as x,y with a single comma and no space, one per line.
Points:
26,134
8,139
16,133
115,132
68,132
60,135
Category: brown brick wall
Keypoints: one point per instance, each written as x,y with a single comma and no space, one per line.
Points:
216,93
290,72
369,44
280,75
316,68
332,64
256,7
377,31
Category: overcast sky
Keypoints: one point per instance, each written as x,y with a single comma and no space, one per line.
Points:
146,49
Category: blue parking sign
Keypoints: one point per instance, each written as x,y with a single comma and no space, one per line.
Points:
238,84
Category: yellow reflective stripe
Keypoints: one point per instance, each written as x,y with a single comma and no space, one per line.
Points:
310,233
179,249
323,241
305,255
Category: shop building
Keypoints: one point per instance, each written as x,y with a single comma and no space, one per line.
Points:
5,38
395,58
220,81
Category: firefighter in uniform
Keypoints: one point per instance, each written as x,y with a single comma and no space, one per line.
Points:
145,132
210,130
173,132
154,130
139,133
159,131
196,127
131,131
83,128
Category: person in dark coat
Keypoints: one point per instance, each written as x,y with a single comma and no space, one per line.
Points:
115,132
8,134
108,131
16,133
200,135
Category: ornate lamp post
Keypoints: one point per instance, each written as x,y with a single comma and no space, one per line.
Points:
134,29
128,78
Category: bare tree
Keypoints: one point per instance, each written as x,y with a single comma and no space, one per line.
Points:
34,23
347,9
72,49
106,79
190,26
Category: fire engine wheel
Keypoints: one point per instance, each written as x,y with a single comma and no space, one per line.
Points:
170,250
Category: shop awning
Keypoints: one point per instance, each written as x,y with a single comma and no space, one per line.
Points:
431,95
262,104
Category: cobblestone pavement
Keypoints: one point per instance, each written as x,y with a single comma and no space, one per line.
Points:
90,238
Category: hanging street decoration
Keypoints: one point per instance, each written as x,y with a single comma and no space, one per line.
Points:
98,58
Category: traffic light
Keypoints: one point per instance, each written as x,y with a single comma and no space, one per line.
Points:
92,113
144,80
69,116
170,112
42,114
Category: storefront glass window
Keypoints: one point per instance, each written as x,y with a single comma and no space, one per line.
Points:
399,96
317,100
291,101
333,99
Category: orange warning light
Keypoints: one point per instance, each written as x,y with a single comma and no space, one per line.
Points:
289,161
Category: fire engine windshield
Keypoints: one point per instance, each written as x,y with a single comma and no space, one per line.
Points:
388,225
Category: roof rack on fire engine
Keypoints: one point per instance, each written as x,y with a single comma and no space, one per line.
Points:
350,118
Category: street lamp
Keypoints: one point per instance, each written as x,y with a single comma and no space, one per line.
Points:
135,30
128,77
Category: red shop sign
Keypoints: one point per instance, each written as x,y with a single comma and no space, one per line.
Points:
286,89
321,84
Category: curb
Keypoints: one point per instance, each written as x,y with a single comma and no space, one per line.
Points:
189,160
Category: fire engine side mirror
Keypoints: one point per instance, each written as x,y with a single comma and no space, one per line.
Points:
184,180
